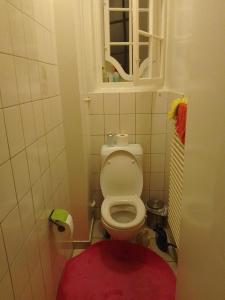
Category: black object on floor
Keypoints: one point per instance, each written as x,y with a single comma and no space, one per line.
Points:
161,238
106,235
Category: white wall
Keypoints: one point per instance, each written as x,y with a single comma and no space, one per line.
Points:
74,111
196,66
143,117
33,168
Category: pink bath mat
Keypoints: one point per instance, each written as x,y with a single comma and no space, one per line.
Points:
117,270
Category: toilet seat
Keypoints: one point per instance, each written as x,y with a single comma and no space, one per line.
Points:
132,200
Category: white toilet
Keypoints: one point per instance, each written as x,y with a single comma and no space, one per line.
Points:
121,180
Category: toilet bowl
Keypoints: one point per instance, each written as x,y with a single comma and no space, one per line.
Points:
123,216
121,180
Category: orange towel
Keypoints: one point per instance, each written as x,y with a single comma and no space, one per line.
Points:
181,121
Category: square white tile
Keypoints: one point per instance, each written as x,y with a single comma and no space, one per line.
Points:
157,163
21,174
159,123
22,76
39,118
127,103
48,111
8,81
38,198
143,103
127,123
43,153
146,177
27,214
157,181
4,149
111,104
5,38
13,234
111,124
28,122
35,86
30,37
17,31
3,257
97,124
47,186
14,129
33,162
143,123
7,190
145,141
146,163
96,106
158,143
159,103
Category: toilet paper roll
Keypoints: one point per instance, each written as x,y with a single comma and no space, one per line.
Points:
69,223
122,139
64,219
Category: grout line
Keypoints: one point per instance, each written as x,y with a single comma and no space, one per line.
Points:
30,101
7,259
28,58
31,17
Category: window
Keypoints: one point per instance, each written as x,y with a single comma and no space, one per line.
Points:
134,40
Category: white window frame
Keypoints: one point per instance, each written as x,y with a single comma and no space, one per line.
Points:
102,44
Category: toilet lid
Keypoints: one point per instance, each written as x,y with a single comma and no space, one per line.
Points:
117,201
121,175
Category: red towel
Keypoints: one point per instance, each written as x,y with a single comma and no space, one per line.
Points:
181,121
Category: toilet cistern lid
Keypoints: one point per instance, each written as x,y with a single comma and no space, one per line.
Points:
121,175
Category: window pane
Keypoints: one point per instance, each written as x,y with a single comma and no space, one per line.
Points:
119,3
121,54
119,26
143,53
143,3
144,21
143,39
109,73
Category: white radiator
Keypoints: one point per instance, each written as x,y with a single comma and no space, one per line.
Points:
176,186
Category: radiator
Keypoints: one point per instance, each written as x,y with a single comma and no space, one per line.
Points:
175,186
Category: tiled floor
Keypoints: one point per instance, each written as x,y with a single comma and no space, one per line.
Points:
98,236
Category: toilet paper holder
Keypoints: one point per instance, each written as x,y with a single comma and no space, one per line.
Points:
60,227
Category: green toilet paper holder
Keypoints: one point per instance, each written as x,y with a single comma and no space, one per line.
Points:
60,227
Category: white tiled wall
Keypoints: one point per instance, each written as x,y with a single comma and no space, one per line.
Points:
144,117
33,176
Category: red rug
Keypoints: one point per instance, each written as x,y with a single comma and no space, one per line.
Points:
117,270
